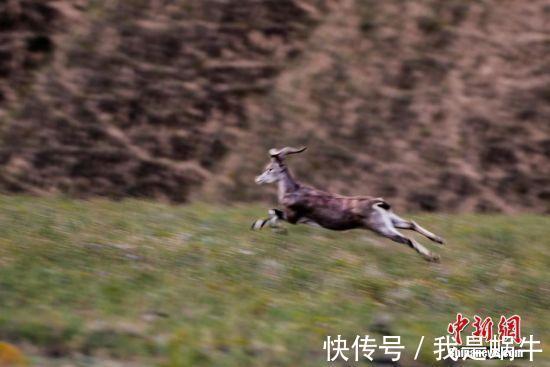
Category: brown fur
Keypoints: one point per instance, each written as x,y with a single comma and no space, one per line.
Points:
329,211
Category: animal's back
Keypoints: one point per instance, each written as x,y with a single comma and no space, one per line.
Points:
354,203
333,211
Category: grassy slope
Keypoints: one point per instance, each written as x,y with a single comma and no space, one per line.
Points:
146,283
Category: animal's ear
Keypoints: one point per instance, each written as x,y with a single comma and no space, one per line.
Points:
281,153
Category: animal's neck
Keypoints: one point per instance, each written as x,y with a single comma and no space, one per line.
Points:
287,184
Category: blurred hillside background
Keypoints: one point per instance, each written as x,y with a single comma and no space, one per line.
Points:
438,106
435,105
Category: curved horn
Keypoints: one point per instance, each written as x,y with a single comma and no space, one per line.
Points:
281,153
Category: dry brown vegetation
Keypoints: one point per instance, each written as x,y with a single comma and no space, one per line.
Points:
433,105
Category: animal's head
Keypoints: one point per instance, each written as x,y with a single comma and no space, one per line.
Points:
275,169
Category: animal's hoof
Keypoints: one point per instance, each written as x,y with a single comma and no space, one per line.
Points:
439,240
434,259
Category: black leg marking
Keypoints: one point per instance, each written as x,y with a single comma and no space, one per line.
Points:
275,215
258,224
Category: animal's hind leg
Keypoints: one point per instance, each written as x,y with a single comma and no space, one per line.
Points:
394,235
399,222
380,221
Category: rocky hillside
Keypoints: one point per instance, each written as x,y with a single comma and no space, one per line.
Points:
433,105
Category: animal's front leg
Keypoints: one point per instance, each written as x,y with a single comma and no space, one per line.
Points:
275,215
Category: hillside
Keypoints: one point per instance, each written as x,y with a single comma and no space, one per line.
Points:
437,106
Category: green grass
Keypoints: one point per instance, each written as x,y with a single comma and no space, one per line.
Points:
145,284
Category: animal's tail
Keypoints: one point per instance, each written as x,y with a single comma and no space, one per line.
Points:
381,203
